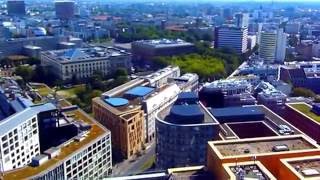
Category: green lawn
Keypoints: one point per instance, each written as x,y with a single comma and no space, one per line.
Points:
69,93
306,110
148,164
43,89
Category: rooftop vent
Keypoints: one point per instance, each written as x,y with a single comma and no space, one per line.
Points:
39,160
279,148
52,152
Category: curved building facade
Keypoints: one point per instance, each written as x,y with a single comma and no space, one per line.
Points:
182,133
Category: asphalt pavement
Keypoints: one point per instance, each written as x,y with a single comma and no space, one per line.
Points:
129,167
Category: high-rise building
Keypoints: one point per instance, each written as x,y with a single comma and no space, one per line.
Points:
242,20
273,45
227,13
16,8
293,28
65,9
183,130
234,38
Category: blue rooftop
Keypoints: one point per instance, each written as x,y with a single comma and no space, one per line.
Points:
187,97
139,91
116,102
186,114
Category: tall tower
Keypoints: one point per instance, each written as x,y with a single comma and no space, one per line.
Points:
16,8
64,9
273,46
242,20
234,38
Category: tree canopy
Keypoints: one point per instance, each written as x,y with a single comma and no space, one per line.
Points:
205,66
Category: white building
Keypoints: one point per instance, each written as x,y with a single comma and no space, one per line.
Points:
292,28
83,62
85,156
232,37
316,49
19,140
242,20
272,46
91,162
252,41
156,103
281,46
160,77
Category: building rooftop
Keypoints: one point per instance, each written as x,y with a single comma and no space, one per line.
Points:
160,43
230,84
270,119
248,170
262,145
186,114
193,172
66,150
236,111
139,91
305,109
304,167
116,102
84,54
153,77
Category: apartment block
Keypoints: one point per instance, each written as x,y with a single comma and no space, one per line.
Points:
234,38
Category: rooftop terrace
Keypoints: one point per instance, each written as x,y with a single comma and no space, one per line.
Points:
306,110
165,42
306,167
262,145
248,170
66,150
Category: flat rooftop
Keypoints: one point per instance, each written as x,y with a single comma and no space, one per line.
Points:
262,145
85,54
193,172
248,170
207,118
96,131
251,129
305,109
271,121
305,167
159,43
236,111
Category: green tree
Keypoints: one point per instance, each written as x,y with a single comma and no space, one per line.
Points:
304,92
121,72
26,72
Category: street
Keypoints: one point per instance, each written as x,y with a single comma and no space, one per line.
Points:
129,167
